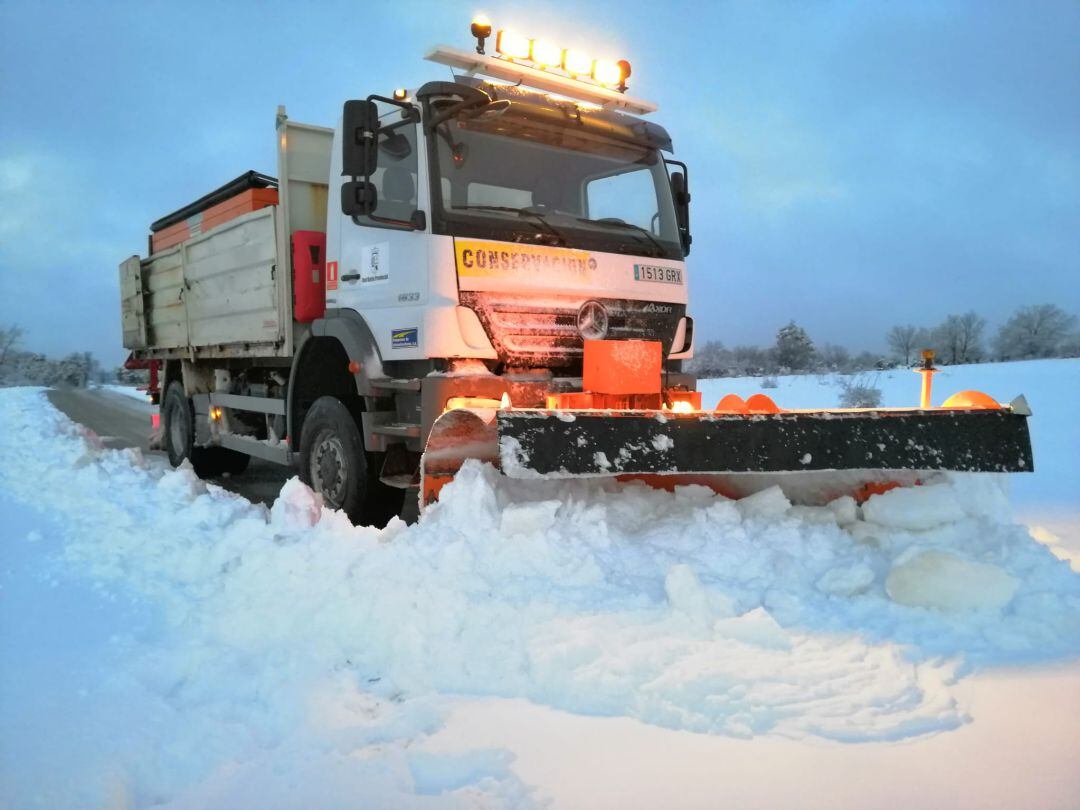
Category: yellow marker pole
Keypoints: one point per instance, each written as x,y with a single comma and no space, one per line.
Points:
927,371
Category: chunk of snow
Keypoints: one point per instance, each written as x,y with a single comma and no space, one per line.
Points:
297,506
845,509
847,580
914,508
938,579
757,628
662,442
686,594
528,518
770,503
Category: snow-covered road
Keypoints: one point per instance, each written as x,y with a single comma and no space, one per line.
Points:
171,644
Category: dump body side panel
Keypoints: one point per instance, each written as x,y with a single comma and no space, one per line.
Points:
233,285
218,294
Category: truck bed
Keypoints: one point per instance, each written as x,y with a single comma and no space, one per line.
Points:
227,291
218,294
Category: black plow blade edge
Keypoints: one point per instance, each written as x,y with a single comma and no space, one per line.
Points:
610,443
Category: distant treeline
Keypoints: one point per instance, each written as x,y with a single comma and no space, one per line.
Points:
1043,330
18,367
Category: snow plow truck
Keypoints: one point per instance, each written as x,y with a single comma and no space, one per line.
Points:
491,268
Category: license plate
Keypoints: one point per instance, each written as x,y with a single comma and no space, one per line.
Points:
652,272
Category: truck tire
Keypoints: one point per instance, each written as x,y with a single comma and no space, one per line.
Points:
178,417
333,462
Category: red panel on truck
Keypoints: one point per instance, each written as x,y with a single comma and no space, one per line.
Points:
309,275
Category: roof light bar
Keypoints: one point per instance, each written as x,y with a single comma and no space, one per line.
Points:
523,72
546,55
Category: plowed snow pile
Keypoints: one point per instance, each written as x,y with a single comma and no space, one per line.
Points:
284,646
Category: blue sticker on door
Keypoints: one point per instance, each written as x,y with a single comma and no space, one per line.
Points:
405,338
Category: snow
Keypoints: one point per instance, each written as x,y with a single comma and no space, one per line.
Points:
527,641
127,391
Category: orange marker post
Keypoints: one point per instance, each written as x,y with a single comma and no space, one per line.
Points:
927,371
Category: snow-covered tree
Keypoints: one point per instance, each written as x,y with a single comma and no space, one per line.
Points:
1035,331
710,359
794,349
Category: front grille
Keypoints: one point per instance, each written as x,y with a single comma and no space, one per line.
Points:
527,329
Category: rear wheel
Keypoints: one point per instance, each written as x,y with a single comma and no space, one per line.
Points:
179,418
334,464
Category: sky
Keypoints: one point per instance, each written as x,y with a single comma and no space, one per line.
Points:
853,164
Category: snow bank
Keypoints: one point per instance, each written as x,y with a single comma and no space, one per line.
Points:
129,391
292,648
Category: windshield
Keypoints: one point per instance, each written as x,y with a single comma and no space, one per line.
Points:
502,176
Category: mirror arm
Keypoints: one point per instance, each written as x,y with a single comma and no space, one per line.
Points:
461,106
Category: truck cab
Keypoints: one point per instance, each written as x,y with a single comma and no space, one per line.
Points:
496,214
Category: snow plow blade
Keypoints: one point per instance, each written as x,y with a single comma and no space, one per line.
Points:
813,455
613,443
626,424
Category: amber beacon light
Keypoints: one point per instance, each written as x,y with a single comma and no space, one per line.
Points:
548,56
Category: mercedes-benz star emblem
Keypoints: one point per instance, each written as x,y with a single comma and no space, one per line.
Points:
592,321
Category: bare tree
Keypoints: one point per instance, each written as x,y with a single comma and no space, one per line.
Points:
1036,331
959,337
834,358
751,361
905,341
10,337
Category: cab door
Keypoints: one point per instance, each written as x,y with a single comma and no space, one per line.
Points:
382,263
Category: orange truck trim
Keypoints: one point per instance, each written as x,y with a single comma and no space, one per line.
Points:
622,366
243,203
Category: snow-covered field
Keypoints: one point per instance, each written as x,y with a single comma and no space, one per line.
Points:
166,643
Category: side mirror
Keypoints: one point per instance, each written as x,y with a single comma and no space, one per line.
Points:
680,194
358,198
359,134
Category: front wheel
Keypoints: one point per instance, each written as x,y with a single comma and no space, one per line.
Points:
334,464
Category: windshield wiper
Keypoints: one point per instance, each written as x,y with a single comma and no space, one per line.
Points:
619,223
539,219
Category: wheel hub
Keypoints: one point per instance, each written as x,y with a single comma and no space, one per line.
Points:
329,470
